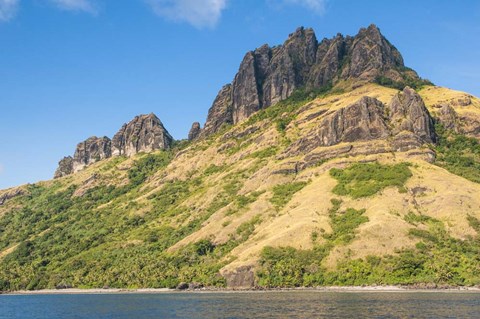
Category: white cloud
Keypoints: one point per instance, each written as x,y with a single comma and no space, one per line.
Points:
76,5
8,9
199,13
316,6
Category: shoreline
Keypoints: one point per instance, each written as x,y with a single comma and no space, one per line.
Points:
346,289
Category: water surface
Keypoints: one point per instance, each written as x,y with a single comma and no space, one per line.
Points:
304,304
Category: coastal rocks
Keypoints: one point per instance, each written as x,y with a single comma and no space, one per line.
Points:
240,278
194,132
65,167
268,75
145,133
90,151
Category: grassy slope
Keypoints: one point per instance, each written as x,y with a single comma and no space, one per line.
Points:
215,207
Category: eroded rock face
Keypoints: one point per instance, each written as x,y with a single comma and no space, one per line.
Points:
408,113
360,121
145,133
90,151
194,131
220,113
268,75
405,122
65,167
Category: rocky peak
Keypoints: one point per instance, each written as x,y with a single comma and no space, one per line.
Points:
194,131
268,75
90,151
145,133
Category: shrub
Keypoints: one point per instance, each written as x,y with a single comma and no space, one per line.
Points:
367,179
282,194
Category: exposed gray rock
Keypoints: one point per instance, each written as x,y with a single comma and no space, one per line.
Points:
65,167
194,131
362,120
220,113
90,151
269,75
408,113
145,133
241,278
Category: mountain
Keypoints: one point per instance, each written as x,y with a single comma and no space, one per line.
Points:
322,163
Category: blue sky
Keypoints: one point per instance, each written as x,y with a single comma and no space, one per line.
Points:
70,69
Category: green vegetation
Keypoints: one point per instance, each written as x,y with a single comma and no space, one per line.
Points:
412,82
265,153
437,258
147,165
344,223
283,112
282,194
290,267
367,179
458,154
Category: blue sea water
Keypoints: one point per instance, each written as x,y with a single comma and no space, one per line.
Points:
303,304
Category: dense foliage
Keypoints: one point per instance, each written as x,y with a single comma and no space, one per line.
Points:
366,179
458,154
105,237
437,258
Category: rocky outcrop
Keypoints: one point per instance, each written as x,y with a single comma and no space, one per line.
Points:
360,121
65,167
145,133
220,113
408,113
194,132
405,122
10,194
90,151
268,75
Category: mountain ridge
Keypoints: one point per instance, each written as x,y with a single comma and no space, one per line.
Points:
358,183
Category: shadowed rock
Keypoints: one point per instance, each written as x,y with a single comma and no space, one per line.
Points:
194,131
408,113
90,151
268,75
65,167
145,133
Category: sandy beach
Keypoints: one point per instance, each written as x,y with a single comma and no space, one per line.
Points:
351,289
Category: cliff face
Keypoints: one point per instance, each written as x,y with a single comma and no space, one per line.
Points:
405,119
145,133
90,151
268,75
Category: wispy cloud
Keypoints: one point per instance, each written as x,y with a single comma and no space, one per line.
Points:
76,5
315,6
8,9
199,13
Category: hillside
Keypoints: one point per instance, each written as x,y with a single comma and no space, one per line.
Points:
361,181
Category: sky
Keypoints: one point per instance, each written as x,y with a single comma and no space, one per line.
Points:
70,69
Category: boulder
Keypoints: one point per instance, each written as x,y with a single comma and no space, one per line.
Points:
194,131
